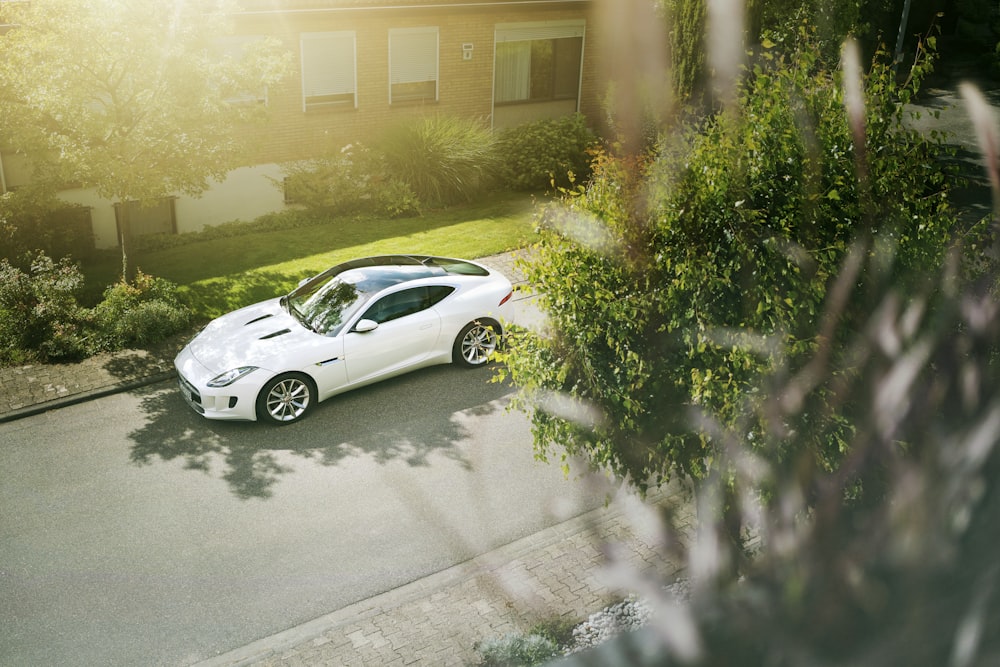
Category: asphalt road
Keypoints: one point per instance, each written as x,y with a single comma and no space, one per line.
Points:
134,532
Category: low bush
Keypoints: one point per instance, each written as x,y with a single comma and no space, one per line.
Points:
546,154
39,315
444,160
42,320
145,311
350,182
31,220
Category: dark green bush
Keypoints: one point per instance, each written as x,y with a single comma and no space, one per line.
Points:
537,156
139,313
41,319
31,220
707,266
353,181
39,316
444,160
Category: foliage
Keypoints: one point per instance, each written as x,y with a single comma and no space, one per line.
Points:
678,284
869,21
41,318
128,112
545,154
353,181
39,315
775,22
32,220
978,32
145,311
444,160
687,47
907,577
517,651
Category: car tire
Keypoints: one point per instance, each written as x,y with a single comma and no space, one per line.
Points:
476,343
286,398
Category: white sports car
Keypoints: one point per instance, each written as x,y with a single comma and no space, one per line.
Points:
357,323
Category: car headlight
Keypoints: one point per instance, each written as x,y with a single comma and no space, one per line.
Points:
230,376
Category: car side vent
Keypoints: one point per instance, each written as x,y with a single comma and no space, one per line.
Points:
262,317
276,334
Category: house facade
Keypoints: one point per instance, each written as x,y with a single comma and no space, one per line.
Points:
362,66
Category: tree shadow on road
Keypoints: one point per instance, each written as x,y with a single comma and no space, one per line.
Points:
411,419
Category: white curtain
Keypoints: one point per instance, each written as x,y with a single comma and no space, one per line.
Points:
513,71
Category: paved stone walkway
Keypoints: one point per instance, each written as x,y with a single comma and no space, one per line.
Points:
559,573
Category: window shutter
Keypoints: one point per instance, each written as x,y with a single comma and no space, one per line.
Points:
328,64
523,32
413,55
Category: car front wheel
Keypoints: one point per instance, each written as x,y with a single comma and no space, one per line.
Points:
476,343
285,399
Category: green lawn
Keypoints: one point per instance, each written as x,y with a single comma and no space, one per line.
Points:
222,274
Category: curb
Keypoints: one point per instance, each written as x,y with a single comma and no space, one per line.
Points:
83,397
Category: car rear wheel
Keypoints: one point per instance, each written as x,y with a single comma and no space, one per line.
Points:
476,343
286,399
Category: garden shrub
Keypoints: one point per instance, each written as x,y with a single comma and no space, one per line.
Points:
31,220
39,315
144,311
352,181
545,154
707,266
41,319
444,160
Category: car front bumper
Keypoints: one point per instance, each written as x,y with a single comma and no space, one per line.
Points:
235,402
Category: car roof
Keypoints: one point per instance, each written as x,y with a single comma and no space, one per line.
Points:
435,266
370,275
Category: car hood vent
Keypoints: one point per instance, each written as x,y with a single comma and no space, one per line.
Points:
276,334
258,319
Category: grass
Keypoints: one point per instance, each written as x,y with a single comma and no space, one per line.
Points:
222,274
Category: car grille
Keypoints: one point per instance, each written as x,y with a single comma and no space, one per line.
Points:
191,395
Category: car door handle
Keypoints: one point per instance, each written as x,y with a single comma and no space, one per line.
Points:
428,325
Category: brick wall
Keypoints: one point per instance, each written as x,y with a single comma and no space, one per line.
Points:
465,86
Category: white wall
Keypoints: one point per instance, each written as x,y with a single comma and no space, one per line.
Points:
244,195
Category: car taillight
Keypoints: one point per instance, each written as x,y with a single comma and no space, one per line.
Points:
506,298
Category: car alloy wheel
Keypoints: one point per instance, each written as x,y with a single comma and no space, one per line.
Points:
285,399
476,343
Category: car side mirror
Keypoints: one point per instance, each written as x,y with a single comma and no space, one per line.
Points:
364,326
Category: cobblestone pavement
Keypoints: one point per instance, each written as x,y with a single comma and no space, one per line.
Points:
558,573
562,573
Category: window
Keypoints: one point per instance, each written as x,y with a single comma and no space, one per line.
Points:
150,217
406,302
538,62
329,71
413,65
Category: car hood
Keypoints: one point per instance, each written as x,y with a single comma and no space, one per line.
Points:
262,335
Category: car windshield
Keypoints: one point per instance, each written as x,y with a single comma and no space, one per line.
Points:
324,305
326,302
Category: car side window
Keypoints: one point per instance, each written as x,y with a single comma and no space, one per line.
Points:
398,304
437,293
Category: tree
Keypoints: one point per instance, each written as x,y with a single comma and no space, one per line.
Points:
135,98
680,285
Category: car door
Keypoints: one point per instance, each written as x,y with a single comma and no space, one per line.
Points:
407,332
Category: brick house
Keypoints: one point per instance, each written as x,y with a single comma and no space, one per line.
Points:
364,65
